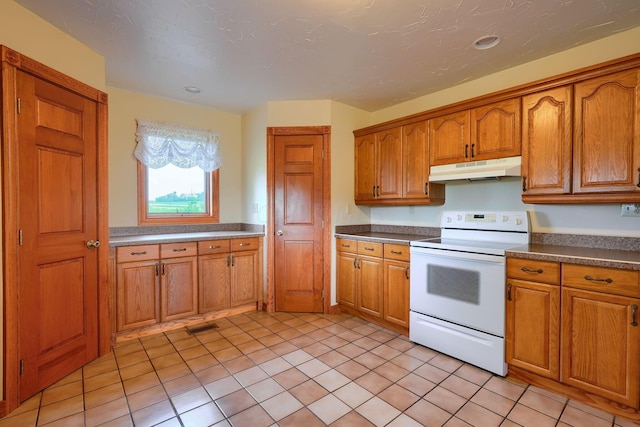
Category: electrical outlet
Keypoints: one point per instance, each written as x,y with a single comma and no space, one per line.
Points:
630,209
412,210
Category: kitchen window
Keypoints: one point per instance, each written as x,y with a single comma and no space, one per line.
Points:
178,170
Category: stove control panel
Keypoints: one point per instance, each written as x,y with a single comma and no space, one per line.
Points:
484,220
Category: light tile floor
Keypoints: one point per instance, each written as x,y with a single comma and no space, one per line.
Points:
286,369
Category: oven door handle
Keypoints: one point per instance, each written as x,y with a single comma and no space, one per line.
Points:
426,253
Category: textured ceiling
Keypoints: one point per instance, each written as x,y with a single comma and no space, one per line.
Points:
369,54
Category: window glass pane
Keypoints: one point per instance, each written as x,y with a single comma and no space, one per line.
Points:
173,190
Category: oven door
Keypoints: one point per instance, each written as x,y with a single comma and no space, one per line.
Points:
463,288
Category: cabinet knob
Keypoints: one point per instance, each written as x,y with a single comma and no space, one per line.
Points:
279,232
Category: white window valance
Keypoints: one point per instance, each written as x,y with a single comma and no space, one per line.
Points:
159,144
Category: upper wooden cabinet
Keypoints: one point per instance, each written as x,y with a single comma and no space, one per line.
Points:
578,134
392,168
449,138
594,158
607,134
547,142
416,187
490,131
495,130
378,169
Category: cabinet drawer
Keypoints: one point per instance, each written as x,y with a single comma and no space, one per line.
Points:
246,244
175,250
137,253
208,247
370,248
397,252
533,270
346,245
601,279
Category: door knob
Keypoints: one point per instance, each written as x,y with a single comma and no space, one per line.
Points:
93,244
279,232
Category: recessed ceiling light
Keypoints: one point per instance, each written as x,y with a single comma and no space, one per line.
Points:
486,42
192,89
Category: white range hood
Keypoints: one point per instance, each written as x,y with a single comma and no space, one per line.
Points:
477,171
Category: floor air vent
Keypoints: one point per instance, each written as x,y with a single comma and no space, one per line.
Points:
202,328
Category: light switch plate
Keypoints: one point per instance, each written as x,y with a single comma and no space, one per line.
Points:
630,209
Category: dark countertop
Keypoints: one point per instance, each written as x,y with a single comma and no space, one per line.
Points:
611,258
381,237
148,239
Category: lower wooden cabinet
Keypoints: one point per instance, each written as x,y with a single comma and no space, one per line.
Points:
214,284
165,282
346,273
601,344
600,333
582,332
178,280
137,286
396,284
533,327
533,316
244,266
369,285
373,280
228,273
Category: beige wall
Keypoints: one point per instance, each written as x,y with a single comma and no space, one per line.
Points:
30,35
124,108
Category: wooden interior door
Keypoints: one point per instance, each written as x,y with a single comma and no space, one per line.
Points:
298,221
57,216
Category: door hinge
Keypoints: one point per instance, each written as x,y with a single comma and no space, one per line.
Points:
322,224
323,153
20,237
19,105
21,366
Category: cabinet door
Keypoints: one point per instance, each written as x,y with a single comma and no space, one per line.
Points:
137,294
214,282
370,290
179,288
365,169
546,142
396,292
389,164
449,138
600,343
244,278
607,123
495,130
415,161
533,327
346,279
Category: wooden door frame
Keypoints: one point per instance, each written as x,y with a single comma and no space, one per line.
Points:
272,132
12,62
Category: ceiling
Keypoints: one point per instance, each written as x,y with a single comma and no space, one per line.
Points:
369,54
